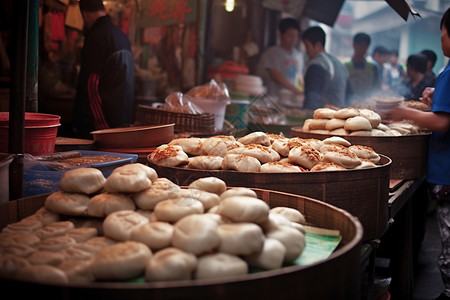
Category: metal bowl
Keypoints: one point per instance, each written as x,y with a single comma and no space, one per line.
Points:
133,137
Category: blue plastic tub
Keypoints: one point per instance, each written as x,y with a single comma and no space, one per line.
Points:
39,179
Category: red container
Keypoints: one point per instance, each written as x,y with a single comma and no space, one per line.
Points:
40,132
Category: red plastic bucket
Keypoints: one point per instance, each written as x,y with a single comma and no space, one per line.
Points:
40,132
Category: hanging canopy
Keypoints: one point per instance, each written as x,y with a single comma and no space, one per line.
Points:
314,9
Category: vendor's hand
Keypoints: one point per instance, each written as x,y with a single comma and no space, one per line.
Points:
398,113
427,95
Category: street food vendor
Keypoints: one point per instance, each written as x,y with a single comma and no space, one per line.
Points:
105,90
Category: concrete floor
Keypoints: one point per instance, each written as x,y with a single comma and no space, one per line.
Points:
428,284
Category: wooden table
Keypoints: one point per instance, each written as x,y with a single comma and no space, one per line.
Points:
397,240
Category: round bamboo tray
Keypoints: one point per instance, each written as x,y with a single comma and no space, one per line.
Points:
364,193
408,152
336,277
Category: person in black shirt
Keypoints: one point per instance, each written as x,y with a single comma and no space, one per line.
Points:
105,90
431,57
416,82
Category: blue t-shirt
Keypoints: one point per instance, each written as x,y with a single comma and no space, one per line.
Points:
438,171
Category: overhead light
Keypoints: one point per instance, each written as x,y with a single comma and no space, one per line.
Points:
229,5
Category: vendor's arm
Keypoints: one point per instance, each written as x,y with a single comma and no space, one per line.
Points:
315,78
434,121
283,81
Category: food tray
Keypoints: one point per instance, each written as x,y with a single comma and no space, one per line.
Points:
184,122
407,152
362,192
38,179
336,277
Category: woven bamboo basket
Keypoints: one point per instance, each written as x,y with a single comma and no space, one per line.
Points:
184,122
336,277
408,152
364,192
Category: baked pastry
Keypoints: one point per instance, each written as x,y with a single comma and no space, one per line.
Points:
343,157
196,234
190,145
74,253
206,162
238,191
16,250
335,124
244,209
366,163
56,243
240,238
256,137
121,261
93,245
42,274
127,181
345,113
77,271
214,146
270,257
44,257
65,203
241,163
377,132
279,167
324,113
339,131
317,124
170,264
357,123
262,153
373,117
327,166
208,199
305,156
282,146
336,140
82,180
106,203
210,184
169,156
138,167
365,152
172,210
19,237
219,265
44,216
54,229
119,225
24,225
361,133
161,189
292,239
156,235
11,264
291,214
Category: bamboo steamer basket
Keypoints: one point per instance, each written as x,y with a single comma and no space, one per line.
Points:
337,277
407,152
364,193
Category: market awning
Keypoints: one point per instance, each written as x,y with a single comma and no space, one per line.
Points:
314,9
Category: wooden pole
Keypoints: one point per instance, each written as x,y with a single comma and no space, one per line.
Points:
18,96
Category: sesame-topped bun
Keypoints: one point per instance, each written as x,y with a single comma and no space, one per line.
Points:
169,156
190,145
262,153
305,156
279,167
241,163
